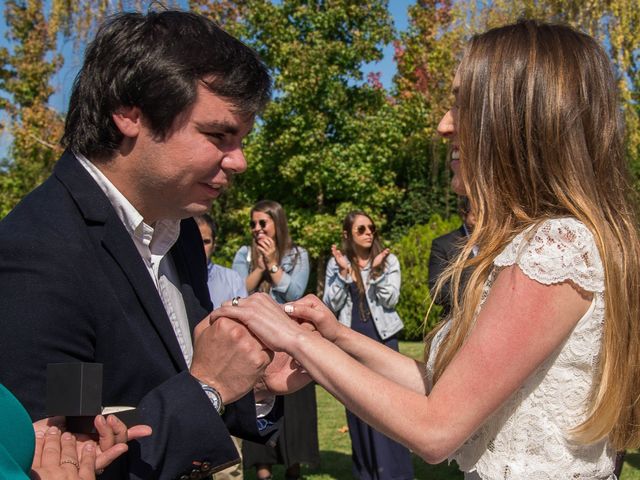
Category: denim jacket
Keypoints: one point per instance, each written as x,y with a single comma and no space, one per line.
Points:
382,295
295,272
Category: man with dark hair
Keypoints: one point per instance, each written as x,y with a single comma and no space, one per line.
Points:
102,263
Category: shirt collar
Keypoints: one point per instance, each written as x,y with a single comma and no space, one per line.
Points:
159,238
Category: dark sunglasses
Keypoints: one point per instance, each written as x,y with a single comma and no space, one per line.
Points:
363,228
262,223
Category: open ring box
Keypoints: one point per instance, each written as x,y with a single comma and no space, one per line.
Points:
74,390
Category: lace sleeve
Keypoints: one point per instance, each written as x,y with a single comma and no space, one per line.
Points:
557,250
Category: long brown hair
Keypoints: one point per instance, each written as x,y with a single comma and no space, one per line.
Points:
348,247
283,240
540,136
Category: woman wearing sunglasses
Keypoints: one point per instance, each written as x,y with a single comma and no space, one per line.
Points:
536,373
362,287
275,265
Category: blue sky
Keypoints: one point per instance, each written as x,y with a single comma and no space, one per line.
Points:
64,79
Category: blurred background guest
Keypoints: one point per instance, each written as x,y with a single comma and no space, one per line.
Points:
224,283
362,288
274,264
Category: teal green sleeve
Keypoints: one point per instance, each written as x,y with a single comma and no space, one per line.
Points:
9,468
17,440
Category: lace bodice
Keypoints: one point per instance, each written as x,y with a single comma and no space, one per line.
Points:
528,437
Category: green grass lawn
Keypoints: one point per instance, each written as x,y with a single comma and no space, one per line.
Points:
335,446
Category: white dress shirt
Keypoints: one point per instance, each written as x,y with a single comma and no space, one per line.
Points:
153,244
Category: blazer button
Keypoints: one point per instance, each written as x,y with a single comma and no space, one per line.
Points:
184,477
206,466
195,473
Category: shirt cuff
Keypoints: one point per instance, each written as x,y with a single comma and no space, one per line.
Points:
283,285
344,280
376,281
264,408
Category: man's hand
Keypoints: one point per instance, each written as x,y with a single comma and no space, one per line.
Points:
283,376
228,357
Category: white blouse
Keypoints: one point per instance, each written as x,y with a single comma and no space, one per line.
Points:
529,435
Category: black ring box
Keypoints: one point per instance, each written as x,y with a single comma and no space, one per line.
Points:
74,390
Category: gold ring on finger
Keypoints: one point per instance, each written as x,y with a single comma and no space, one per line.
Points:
72,462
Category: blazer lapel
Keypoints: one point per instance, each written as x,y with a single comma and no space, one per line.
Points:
186,260
118,243
97,209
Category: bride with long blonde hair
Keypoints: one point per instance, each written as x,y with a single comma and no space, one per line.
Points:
535,374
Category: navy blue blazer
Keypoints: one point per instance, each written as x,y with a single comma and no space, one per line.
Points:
73,288
444,250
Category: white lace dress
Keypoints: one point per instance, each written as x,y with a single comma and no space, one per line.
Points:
528,437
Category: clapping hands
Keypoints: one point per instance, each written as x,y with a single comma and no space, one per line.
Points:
377,261
341,260
345,265
268,251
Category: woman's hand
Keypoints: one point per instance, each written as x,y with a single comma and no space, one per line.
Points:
112,437
311,310
260,263
341,260
380,258
266,320
57,457
268,248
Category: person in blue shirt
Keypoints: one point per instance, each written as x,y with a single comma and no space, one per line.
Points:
275,265
224,283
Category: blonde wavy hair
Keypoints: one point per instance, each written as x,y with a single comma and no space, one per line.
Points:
541,136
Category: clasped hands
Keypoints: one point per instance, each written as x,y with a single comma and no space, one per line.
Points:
277,329
267,252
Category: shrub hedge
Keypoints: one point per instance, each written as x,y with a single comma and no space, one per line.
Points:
413,250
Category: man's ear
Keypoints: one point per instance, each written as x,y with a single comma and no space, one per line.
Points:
128,120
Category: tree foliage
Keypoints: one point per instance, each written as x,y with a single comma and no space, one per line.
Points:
413,250
332,140
36,32
327,142
426,56
25,77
